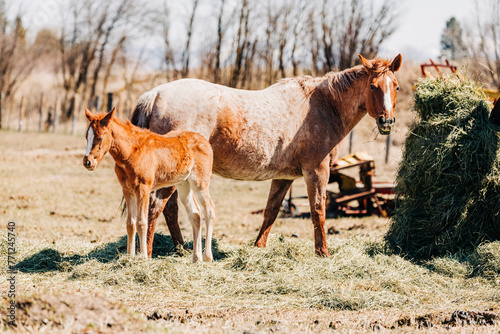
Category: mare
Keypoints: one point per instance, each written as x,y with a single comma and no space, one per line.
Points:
146,161
291,129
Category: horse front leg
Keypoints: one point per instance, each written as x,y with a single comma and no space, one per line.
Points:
131,201
274,201
157,201
142,194
316,181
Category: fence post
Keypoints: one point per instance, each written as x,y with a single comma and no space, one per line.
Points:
351,140
76,111
1,109
97,104
27,116
130,106
121,103
40,112
110,101
22,112
387,148
56,115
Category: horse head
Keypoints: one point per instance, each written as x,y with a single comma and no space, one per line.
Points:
381,91
98,138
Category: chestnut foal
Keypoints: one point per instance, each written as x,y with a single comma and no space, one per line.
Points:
146,161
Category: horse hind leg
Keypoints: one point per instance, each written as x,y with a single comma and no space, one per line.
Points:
158,202
187,199
276,196
171,214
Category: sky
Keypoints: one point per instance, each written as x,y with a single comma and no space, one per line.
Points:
421,24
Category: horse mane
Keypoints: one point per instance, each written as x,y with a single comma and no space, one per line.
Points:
338,81
341,81
307,83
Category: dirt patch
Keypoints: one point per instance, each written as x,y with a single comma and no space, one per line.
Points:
457,318
72,313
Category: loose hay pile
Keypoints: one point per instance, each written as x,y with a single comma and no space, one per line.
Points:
448,182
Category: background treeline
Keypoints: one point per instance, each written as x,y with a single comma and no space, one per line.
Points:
87,49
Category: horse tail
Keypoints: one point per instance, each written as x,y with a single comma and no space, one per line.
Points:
123,208
143,110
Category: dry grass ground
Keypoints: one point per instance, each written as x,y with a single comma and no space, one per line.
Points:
73,275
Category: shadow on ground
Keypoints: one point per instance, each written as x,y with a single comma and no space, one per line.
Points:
50,259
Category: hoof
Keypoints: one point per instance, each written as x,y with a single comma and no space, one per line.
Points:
323,252
197,257
260,244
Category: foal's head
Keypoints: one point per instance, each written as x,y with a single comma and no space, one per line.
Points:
98,138
382,91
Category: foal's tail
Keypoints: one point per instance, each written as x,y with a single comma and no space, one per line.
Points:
123,208
142,112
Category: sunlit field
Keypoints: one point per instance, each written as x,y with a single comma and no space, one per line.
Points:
74,274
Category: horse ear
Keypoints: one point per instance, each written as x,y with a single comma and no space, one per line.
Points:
396,63
89,114
366,63
107,118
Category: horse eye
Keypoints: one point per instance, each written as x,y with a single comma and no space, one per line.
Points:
397,87
372,87
99,138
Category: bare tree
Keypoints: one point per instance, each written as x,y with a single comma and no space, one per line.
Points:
105,30
283,34
241,42
218,45
350,27
315,42
17,56
265,41
83,47
114,54
272,22
187,51
168,53
484,42
298,34
16,63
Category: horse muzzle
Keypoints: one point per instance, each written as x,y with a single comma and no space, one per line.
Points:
90,164
385,124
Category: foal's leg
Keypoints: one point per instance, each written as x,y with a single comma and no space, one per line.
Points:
131,201
157,201
187,199
276,196
316,181
203,197
142,194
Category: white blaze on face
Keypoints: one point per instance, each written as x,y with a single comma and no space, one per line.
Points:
90,140
387,95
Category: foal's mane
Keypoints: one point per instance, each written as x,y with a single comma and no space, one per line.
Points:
131,127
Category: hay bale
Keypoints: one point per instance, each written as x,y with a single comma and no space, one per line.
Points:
448,182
